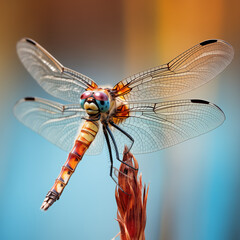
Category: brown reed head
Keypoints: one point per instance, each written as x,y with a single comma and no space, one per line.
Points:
131,203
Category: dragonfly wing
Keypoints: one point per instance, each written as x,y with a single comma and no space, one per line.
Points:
58,123
52,76
189,70
161,125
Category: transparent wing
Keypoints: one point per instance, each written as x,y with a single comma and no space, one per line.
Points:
57,80
161,125
58,123
189,70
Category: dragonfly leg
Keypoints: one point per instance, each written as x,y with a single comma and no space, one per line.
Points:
111,159
125,133
116,149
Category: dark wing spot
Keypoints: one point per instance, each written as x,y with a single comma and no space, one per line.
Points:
29,99
30,41
208,42
102,102
199,101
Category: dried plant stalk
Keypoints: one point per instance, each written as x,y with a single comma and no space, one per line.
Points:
131,214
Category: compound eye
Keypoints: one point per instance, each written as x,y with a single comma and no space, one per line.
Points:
100,96
103,105
86,94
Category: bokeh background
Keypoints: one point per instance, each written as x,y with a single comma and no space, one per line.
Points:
194,186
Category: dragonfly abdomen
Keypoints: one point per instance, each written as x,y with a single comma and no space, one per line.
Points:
84,139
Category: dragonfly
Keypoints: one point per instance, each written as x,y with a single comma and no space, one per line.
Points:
132,111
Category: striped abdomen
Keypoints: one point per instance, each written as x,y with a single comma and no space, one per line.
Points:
83,141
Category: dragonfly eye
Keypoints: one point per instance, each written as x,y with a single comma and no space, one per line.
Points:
103,105
101,96
102,101
86,95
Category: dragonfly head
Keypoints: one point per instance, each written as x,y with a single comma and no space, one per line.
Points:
95,102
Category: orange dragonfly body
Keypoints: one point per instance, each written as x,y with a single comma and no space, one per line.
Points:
131,112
